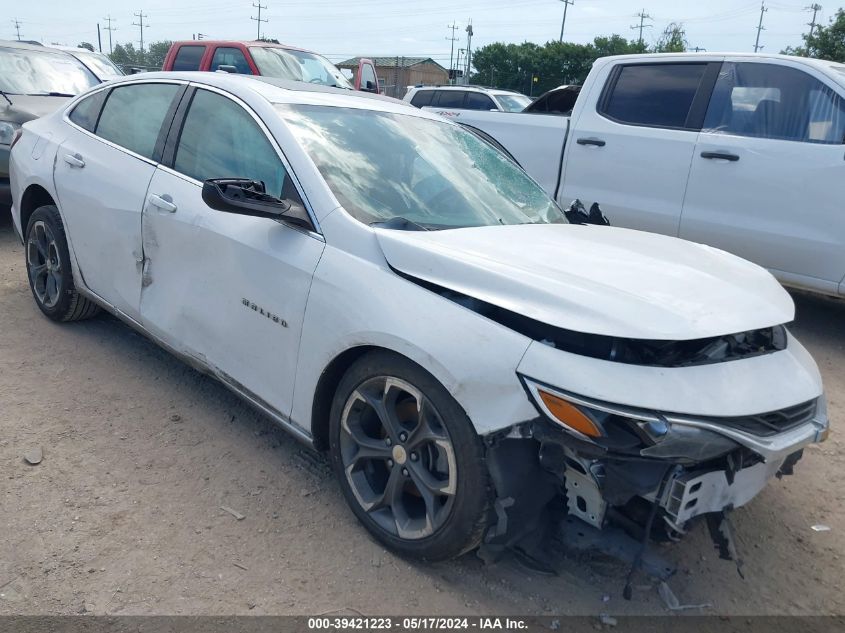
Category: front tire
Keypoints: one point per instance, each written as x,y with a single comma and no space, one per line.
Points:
49,271
408,459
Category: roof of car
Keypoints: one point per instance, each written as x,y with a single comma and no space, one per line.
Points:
240,42
484,89
809,61
283,91
30,46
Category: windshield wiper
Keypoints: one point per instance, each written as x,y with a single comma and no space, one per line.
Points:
398,223
6,97
49,94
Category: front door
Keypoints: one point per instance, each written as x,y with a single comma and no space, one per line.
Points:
227,289
768,173
101,179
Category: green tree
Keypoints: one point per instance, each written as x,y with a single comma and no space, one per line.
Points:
673,39
90,47
156,52
512,66
125,55
826,42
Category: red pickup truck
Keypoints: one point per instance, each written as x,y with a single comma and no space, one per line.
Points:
269,60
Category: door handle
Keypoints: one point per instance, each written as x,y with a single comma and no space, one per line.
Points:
720,155
591,141
74,160
164,202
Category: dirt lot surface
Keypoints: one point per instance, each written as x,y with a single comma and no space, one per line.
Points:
123,514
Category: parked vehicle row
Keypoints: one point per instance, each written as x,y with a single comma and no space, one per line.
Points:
389,287
742,152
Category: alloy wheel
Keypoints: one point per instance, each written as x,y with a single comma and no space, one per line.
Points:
398,457
45,265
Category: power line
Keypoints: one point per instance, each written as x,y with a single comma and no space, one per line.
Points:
454,27
566,4
17,27
258,20
760,27
643,16
141,26
110,28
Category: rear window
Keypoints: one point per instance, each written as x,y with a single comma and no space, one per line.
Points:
658,95
188,58
87,111
422,98
450,99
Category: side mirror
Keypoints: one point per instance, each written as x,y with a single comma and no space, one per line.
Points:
247,197
226,68
577,214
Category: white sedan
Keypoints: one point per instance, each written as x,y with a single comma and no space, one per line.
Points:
390,288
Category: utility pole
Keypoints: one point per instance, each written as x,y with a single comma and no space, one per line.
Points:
643,16
454,27
760,27
461,51
17,28
566,4
110,28
258,20
99,39
469,51
141,26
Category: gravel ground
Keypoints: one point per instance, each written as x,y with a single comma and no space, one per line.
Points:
123,514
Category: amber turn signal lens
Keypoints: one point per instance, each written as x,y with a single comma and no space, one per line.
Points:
569,415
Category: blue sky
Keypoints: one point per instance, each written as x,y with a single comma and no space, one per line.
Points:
396,27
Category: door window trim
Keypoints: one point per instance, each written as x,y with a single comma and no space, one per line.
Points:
174,134
698,107
164,124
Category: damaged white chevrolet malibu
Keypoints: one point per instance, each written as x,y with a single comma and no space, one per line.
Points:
389,287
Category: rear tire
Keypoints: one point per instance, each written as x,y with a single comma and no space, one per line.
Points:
409,462
49,270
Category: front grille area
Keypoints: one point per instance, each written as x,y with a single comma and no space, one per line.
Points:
772,423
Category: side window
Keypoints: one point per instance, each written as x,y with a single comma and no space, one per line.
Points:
87,111
450,99
479,101
422,98
368,78
133,115
220,139
657,95
777,102
228,56
188,57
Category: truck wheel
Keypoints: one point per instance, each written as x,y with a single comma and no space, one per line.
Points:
49,271
408,459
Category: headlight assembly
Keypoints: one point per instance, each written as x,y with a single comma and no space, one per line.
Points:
627,431
7,132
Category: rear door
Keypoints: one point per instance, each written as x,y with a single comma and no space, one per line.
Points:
101,173
768,176
632,144
228,289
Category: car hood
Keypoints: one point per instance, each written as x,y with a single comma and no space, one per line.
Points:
596,279
25,108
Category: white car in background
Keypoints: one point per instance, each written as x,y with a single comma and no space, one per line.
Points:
467,98
387,286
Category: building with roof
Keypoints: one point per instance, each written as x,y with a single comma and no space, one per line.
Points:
395,74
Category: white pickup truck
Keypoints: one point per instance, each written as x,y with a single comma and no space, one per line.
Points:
743,152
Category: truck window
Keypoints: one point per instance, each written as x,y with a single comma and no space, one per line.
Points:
188,57
777,102
368,79
422,98
230,56
479,101
657,95
449,99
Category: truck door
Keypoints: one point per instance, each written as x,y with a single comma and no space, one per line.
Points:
768,176
632,143
366,78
